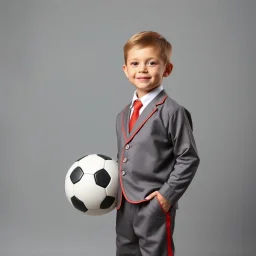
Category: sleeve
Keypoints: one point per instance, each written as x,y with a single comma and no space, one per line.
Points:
185,153
189,118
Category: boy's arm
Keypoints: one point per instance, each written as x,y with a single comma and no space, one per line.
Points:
185,152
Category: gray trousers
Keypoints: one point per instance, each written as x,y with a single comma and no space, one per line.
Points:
144,229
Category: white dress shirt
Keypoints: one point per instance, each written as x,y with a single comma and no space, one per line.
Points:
146,99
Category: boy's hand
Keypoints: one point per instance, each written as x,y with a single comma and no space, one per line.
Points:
165,203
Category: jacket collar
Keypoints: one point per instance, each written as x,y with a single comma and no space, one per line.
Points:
149,110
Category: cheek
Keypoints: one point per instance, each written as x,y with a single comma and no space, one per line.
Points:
158,74
129,73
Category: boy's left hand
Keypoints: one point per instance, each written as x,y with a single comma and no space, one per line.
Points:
164,202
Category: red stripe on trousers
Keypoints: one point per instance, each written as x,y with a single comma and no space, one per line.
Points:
169,235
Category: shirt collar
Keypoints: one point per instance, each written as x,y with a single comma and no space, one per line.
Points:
147,97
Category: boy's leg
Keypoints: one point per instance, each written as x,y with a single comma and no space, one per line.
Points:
127,243
155,229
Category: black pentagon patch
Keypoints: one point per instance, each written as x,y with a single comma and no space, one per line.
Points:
79,205
76,175
104,157
107,202
81,158
102,178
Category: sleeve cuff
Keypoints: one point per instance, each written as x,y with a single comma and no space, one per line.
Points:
168,194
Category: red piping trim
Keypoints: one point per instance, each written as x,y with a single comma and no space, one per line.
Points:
161,102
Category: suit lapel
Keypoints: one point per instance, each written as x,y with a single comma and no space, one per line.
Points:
126,119
150,109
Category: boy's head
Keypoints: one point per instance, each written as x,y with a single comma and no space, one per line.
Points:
147,60
149,39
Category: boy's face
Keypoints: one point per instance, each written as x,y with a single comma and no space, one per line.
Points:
145,69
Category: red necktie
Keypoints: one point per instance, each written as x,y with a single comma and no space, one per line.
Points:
136,109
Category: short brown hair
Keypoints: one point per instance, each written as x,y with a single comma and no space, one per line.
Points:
147,39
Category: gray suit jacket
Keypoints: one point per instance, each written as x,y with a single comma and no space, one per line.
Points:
158,154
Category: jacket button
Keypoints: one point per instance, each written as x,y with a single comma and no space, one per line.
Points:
125,160
123,173
127,146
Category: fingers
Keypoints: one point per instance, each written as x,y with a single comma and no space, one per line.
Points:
152,195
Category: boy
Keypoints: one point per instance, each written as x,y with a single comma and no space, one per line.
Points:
157,154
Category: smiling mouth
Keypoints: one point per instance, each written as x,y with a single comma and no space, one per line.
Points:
143,78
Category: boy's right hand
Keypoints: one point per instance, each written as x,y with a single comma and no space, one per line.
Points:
162,200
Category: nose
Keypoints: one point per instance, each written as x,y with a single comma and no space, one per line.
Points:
142,68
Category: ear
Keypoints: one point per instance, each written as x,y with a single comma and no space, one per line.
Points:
168,69
125,70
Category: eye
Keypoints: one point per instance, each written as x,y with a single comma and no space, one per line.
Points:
134,63
152,63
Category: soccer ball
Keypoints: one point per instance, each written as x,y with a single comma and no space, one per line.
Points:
91,184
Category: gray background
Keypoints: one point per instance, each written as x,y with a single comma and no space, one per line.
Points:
61,87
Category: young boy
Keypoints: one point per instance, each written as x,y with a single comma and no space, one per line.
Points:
157,154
